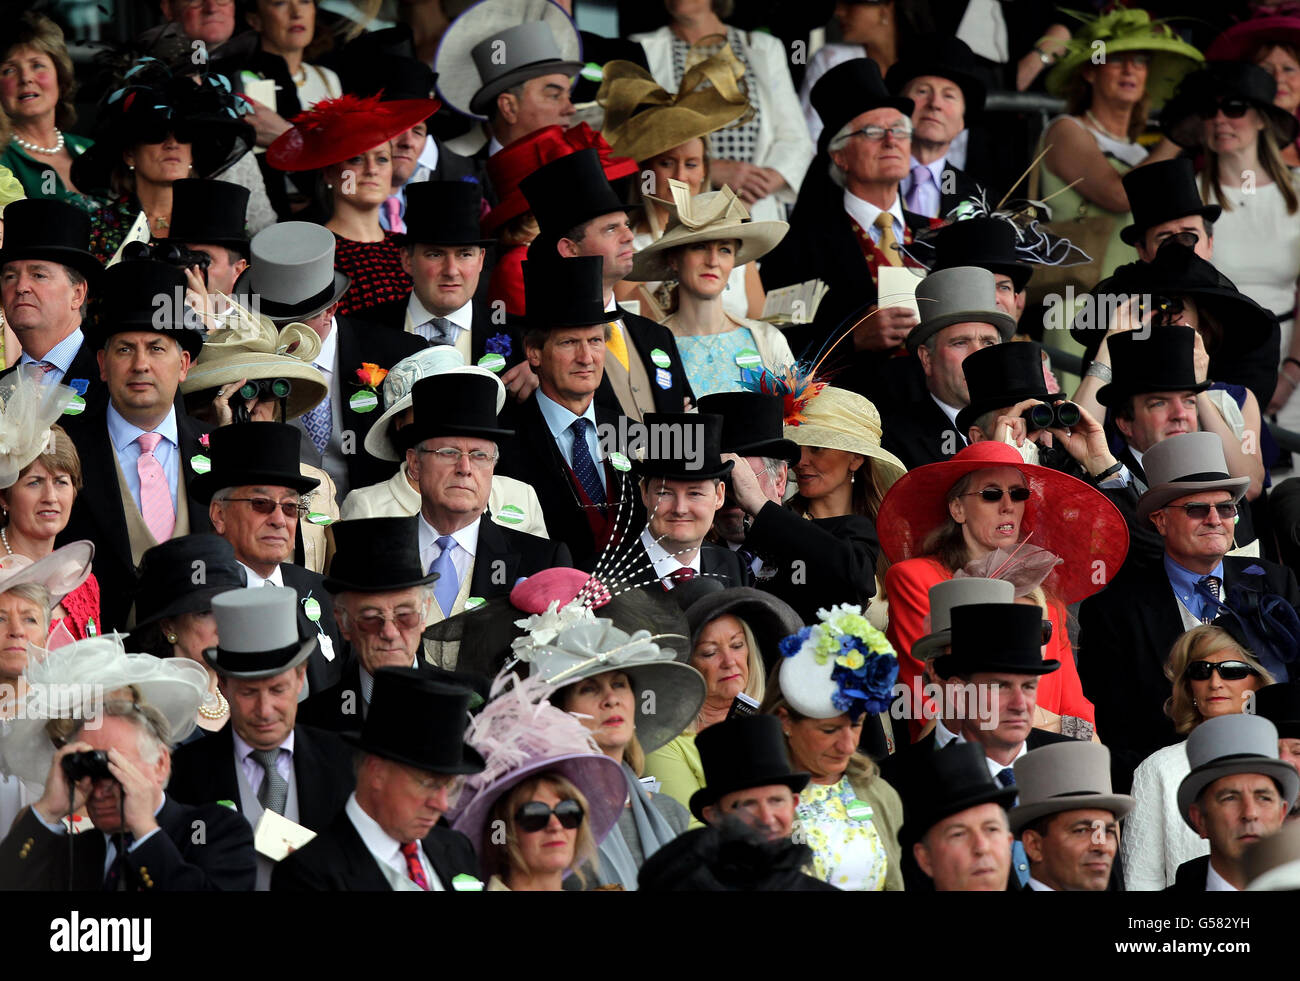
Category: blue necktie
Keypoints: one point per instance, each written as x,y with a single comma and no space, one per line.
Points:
1019,860
447,586
583,466
318,421
113,880
1209,588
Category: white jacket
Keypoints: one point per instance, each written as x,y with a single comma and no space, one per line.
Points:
1156,839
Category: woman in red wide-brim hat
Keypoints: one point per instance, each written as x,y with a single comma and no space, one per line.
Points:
347,141
987,513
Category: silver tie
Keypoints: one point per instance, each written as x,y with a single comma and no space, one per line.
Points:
274,792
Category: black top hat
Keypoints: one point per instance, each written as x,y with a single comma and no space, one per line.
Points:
752,424
943,56
680,446
1161,192
768,618
988,243
995,637
561,292
37,228
848,90
168,572
385,62
419,722
209,212
568,191
1181,119
145,295
1163,361
1280,704
376,555
947,782
444,213
252,453
455,405
1000,376
741,753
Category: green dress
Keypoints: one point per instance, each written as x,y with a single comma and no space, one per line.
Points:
32,171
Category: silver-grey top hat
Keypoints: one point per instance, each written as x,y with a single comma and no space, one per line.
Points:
1186,464
257,631
499,43
960,295
291,269
1071,776
957,592
1232,744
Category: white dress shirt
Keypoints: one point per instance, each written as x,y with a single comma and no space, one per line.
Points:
942,734
665,563
462,558
123,435
420,316
558,420
864,213
1217,883
256,581
385,849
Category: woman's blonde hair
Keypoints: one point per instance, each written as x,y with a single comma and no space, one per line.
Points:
1196,645
38,32
502,859
755,684
1270,158
633,754
861,769
1078,100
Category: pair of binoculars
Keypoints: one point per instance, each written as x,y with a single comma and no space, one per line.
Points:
261,389
1046,415
92,764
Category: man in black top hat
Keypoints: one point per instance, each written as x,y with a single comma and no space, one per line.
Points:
1280,704
265,759
988,243
390,834
747,774
939,78
46,275
138,451
579,214
1166,203
208,216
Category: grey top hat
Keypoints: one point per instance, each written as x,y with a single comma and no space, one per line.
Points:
1186,464
1232,744
258,633
962,294
957,592
499,43
291,269
1071,776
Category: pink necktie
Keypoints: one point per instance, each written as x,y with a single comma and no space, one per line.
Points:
155,495
393,209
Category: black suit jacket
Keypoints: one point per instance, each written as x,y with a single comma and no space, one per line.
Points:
203,771
504,556
1125,633
99,514
1191,876
84,368
337,860
393,315
964,188
452,166
716,562
35,859
322,673
647,336
919,433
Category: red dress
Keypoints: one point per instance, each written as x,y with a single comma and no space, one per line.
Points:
375,269
82,605
907,584
507,283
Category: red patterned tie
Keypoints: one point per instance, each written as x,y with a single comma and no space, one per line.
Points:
411,850
680,575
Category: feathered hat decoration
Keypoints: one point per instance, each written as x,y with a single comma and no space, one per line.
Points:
28,408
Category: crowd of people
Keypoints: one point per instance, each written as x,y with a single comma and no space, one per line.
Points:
426,445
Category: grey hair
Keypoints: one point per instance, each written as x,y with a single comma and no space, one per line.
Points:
222,496
839,142
34,592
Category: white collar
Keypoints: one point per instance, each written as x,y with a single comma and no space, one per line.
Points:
466,538
494,145
242,749
428,157
664,563
949,410
994,766
276,578
1217,883
386,849
1037,886
864,212
328,348
419,314
942,734
612,305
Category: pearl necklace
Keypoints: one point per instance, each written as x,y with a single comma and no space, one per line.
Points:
222,706
36,148
5,539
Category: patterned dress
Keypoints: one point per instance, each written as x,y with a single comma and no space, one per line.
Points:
847,850
375,269
712,361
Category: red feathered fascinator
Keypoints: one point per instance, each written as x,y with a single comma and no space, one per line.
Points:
334,130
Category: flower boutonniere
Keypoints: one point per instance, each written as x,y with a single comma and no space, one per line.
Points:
499,344
371,376
203,440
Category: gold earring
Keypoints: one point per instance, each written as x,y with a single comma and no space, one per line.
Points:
171,638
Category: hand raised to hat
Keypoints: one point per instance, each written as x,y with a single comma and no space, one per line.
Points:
1200,359
197,298
267,122
744,485
883,329
521,381
139,794
53,805
1086,443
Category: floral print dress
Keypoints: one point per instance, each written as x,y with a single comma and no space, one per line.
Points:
847,850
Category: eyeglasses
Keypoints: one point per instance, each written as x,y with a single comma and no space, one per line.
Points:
431,784
1232,108
480,459
535,816
264,505
994,494
373,623
1132,58
1200,511
876,134
1186,239
1228,670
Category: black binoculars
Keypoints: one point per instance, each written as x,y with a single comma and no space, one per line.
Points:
261,389
93,764
1046,415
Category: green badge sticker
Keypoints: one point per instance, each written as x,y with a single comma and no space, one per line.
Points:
859,810
200,463
660,357
228,803
91,629
316,518
312,607
363,401
510,514
492,362
466,883
592,72
749,358
619,462
474,602
76,407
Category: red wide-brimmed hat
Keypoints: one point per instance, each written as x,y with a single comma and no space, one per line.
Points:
1240,41
512,163
334,130
1063,515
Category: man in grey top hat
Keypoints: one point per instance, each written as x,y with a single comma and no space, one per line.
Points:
1237,792
264,760
1192,504
1067,818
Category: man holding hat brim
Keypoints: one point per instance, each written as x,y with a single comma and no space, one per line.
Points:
747,774
1147,608
390,834
208,217
451,456
1067,818
1237,792
959,315
264,760
137,449
511,64
291,278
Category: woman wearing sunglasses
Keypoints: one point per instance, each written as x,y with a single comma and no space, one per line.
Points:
972,514
546,836
1212,675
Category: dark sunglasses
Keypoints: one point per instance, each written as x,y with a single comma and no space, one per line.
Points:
264,505
1199,511
1232,108
994,494
1047,632
535,816
1187,239
1228,670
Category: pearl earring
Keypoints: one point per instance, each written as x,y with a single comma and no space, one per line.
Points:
171,638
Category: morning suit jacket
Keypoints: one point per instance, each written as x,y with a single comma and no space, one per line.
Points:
322,672
532,456
1125,633
337,860
203,771
646,336
716,562
919,433
453,166
393,315
1191,876
342,708
35,859
84,368
98,513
